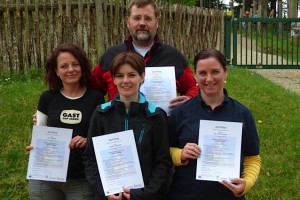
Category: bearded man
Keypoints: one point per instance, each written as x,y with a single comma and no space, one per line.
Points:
142,20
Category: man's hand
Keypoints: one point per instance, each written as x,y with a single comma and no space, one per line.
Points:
177,101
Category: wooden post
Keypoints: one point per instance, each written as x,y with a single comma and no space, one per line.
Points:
19,19
59,23
99,27
80,24
2,69
27,49
69,27
45,36
8,37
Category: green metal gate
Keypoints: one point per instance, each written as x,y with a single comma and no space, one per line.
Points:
269,43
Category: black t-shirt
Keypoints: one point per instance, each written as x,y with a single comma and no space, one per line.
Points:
73,114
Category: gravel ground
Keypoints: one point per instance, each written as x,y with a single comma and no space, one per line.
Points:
288,78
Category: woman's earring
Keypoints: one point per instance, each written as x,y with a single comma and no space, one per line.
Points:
225,81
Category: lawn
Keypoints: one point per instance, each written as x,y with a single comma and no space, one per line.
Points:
276,111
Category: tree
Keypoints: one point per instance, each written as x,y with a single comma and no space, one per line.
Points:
184,2
292,9
218,4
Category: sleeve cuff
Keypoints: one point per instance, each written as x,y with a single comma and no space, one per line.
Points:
176,156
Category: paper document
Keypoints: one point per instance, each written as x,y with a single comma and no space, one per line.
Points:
49,157
160,86
220,144
118,162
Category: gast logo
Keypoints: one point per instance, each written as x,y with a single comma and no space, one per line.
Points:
71,116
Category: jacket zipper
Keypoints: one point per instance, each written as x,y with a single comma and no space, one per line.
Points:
142,133
126,122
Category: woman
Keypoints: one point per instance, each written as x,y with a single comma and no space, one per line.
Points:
67,74
212,103
130,110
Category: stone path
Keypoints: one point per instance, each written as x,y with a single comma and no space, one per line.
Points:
288,78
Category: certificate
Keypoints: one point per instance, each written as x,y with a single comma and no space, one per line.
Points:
160,86
118,162
220,144
49,157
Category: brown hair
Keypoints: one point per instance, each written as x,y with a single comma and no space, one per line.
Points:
210,53
51,78
141,4
135,60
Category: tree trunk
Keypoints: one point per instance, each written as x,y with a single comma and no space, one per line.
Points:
280,15
264,8
292,9
254,6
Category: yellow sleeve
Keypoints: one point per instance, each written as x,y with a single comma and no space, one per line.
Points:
251,170
176,156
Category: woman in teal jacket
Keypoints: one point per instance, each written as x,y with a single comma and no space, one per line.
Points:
130,110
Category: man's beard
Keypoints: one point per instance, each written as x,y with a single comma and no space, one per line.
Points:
143,36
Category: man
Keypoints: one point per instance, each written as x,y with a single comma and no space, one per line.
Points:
142,21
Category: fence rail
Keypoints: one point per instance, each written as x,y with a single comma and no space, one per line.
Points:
268,43
30,29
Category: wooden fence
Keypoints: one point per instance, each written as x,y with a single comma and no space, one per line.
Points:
30,29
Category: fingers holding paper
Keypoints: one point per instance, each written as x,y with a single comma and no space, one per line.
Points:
78,142
190,151
126,193
28,149
237,186
115,197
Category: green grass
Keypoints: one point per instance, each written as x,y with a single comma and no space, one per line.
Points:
277,114
18,101
276,111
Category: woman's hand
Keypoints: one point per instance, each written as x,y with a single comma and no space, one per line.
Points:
190,151
237,186
34,120
115,197
126,193
28,149
78,142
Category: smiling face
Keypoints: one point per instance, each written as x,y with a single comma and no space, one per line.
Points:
142,25
68,69
128,82
210,76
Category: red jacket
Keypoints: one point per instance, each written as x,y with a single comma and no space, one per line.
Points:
159,55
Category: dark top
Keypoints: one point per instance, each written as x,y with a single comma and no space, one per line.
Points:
150,132
73,114
184,128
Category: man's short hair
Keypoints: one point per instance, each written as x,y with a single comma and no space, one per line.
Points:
141,4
